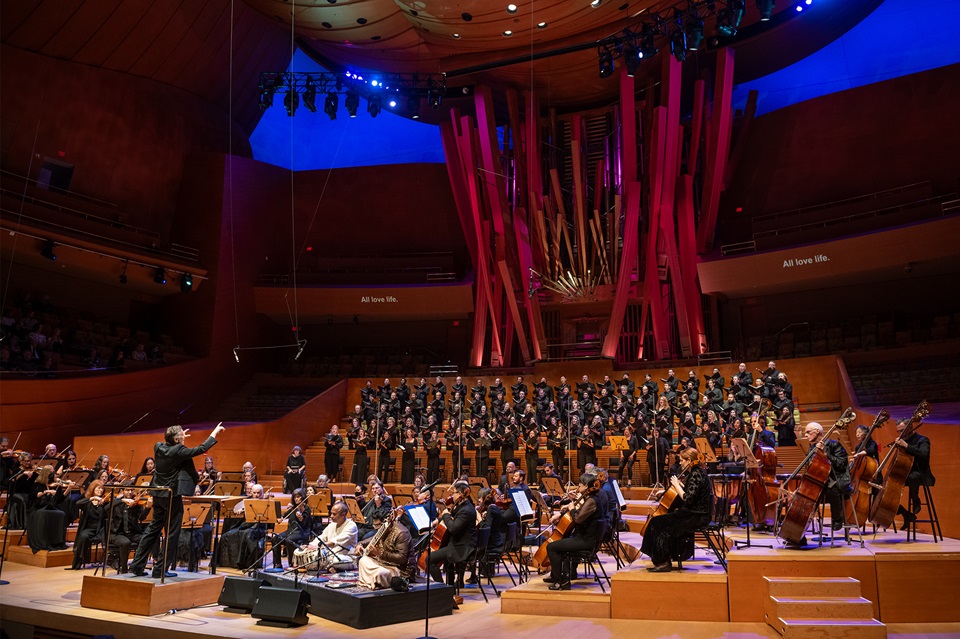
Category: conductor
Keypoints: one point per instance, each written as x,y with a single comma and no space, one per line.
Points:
174,470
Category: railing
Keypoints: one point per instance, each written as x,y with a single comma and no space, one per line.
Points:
73,194
716,357
837,203
564,352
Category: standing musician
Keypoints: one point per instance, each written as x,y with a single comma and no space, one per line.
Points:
586,514
432,447
670,536
482,443
296,467
628,455
461,523
657,457
920,474
331,457
387,558
456,444
384,446
174,470
838,484
361,461
531,452
558,448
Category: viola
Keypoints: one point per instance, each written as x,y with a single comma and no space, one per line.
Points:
862,472
895,467
807,495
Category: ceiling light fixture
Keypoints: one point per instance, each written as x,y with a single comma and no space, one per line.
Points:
511,8
765,7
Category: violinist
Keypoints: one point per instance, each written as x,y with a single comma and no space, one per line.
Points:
295,471
628,455
489,516
248,466
148,467
920,475
21,492
50,452
670,536
91,524
126,530
8,462
586,513
482,444
208,476
838,485
333,442
378,507
506,479
299,528
46,523
461,523
102,464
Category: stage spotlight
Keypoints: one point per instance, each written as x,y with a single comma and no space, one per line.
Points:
310,96
413,107
765,7
606,63
647,46
186,283
436,99
160,275
330,105
693,28
373,107
729,18
290,102
631,58
47,251
352,102
678,45
266,95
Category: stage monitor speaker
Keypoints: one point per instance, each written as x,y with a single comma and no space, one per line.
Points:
281,607
239,594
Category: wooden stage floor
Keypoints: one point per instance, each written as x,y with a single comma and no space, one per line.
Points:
50,598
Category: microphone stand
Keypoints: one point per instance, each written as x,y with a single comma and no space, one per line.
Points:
426,606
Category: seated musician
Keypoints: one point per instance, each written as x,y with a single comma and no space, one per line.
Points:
838,484
392,556
587,513
240,547
489,516
127,530
761,435
461,523
299,528
669,536
340,536
871,449
378,507
920,474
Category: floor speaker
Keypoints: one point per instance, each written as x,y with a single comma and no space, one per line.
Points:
239,594
281,607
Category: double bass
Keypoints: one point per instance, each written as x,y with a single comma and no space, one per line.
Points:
807,495
895,467
763,487
862,472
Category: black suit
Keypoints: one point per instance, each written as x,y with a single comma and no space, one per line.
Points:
175,470
461,525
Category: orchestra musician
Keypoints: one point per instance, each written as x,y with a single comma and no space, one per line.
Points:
340,535
838,484
175,470
670,536
628,455
295,471
46,521
461,523
299,528
586,513
126,530
92,523
871,450
333,442
920,475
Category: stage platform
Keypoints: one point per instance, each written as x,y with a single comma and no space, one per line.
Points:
146,596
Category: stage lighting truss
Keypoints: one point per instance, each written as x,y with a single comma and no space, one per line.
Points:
389,91
687,25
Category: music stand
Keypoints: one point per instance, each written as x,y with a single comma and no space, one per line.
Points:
553,486
401,500
262,511
195,516
231,476
705,449
228,488
618,442
476,480
79,478
40,463
356,514
320,503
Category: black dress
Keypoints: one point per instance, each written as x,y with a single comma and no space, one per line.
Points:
408,461
331,458
670,536
46,524
361,462
92,523
433,460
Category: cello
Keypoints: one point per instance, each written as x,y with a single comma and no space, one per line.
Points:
862,472
763,487
563,528
667,501
895,467
439,539
807,495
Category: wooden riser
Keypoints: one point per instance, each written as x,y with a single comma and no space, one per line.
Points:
638,594
830,629
146,596
813,586
818,608
46,558
549,603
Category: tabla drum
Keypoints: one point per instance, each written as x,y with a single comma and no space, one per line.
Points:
306,556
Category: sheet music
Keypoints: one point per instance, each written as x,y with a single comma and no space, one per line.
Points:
524,508
621,502
419,517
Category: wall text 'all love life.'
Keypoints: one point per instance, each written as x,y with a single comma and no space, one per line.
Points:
805,261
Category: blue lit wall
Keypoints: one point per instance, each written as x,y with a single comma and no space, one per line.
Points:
322,143
899,38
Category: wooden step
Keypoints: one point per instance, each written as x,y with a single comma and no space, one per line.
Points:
818,608
831,628
812,586
41,559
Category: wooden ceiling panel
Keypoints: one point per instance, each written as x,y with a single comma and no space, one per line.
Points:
139,40
83,25
121,22
187,51
42,25
13,14
168,39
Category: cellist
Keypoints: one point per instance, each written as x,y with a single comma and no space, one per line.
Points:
586,513
920,475
838,484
